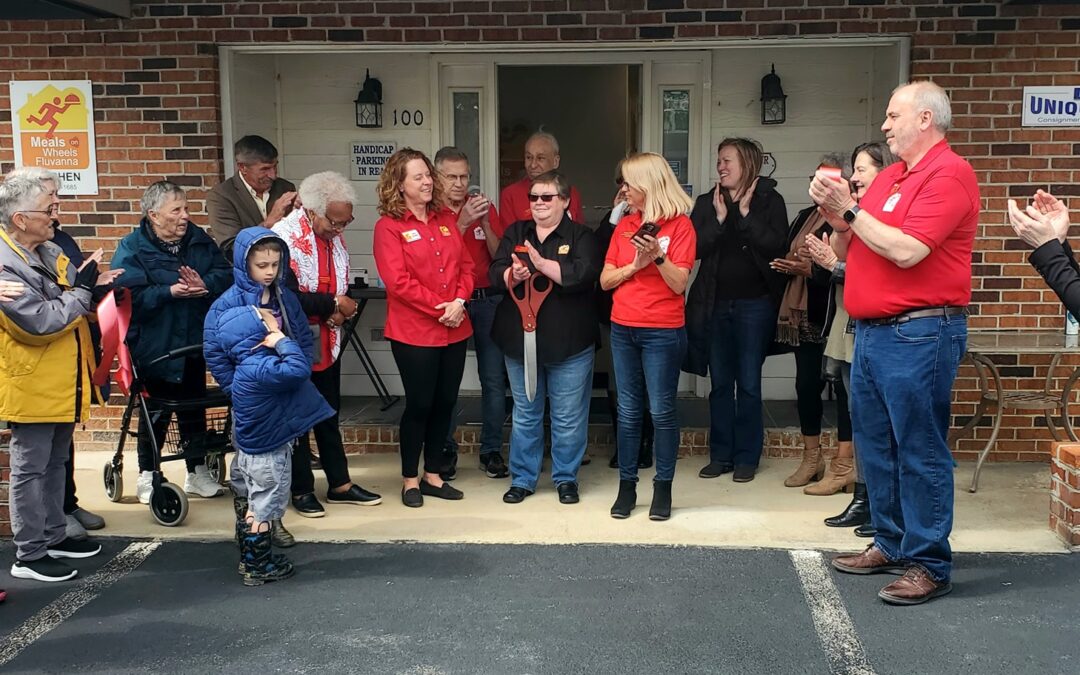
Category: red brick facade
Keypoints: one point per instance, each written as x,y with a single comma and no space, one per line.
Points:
158,109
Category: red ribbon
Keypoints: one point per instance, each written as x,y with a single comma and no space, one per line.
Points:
114,317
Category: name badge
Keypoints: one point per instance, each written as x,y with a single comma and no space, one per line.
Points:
664,242
564,249
891,203
445,230
410,236
478,233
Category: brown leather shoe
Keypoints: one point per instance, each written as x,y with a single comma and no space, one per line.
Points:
914,588
870,561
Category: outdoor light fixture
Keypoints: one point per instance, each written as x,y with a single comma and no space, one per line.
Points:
369,103
773,100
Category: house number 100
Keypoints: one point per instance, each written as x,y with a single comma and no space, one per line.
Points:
407,118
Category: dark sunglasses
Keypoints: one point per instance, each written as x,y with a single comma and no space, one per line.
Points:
544,198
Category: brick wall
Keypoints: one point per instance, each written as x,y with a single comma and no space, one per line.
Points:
1065,493
157,106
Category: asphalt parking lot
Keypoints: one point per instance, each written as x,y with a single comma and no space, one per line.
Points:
179,607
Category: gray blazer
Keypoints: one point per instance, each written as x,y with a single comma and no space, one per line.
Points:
231,207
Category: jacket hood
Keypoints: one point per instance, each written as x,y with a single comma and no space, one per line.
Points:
241,329
245,239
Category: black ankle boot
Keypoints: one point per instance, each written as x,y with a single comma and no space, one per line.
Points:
661,500
857,512
626,501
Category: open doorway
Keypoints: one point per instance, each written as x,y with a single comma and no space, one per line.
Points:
593,110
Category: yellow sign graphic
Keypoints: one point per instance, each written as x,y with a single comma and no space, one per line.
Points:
54,128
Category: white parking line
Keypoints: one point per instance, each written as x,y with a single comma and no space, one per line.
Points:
835,630
61,609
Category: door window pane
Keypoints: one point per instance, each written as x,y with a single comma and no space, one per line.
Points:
467,130
675,140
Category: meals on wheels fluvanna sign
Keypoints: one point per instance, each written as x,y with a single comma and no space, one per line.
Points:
52,124
1051,107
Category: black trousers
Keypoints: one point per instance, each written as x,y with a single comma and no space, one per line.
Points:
192,385
431,377
71,502
808,387
327,436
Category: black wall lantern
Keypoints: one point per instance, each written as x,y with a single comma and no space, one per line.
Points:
369,103
773,100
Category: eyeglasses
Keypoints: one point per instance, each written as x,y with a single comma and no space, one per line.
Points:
544,198
51,211
456,178
619,181
339,224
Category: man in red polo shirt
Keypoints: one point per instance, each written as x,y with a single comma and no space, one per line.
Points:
480,227
541,156
908,284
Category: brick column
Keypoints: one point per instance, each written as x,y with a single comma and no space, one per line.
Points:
1065,494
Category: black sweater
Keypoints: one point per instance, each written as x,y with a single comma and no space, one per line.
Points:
1055,262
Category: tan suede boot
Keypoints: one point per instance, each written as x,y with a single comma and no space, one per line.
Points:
840,476
812,467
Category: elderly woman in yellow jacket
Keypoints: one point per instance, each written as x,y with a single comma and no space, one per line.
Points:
46,359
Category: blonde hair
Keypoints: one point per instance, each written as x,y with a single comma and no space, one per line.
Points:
664,197
391,199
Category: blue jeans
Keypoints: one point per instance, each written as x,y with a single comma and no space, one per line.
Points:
567,385
742,331
492,372
901,391
647,359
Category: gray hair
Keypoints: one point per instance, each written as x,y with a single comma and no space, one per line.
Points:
156,195
450,154
836,160
926,95
545,136
21,189
254,150
319,189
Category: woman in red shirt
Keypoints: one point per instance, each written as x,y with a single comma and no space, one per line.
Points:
648,337
428,275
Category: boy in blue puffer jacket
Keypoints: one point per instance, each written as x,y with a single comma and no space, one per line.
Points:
273,402
260,260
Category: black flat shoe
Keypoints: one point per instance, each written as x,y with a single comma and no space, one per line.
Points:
446,491
715,470
516,495
412,498
568,493
865,530
744,473
308,506
354,495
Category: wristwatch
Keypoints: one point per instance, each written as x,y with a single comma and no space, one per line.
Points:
850,214
660,260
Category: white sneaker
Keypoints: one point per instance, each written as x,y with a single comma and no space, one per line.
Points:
201,483
144,486
74,528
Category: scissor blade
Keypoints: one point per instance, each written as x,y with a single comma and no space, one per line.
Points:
530,365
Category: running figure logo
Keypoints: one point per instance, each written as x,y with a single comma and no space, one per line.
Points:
47,113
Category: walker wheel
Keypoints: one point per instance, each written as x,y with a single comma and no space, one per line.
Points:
169,505
114,482
215,465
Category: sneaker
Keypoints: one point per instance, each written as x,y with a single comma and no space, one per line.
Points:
90,521
144,486
308,506
70,548
74,529
43,569
354,495
493,465
201,483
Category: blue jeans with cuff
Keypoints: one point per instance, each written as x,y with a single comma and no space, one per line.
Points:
567,386
901,391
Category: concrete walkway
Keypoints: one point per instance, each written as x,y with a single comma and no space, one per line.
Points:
1008,514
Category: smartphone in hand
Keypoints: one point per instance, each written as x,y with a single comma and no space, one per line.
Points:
646,229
